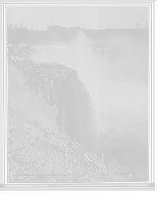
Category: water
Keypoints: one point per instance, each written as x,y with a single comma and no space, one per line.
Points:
75,108
114,74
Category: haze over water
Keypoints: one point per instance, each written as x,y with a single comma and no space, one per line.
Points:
115,77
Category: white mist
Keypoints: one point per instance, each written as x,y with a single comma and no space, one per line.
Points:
115,77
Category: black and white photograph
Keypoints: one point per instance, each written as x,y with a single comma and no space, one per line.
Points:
78,95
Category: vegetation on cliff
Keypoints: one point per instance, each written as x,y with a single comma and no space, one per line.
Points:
38,150
42,147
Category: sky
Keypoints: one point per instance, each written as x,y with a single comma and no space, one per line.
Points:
86,17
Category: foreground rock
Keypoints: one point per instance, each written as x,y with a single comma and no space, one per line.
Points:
42,146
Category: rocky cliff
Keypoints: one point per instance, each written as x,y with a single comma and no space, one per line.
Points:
51,134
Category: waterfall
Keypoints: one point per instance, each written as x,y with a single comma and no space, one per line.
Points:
74,106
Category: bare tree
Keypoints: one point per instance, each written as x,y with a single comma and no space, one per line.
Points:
16,43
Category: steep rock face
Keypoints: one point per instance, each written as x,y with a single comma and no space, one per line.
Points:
60,86
37,149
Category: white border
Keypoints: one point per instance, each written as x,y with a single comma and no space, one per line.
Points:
78,5
80,184
150,96
5,67
99,184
